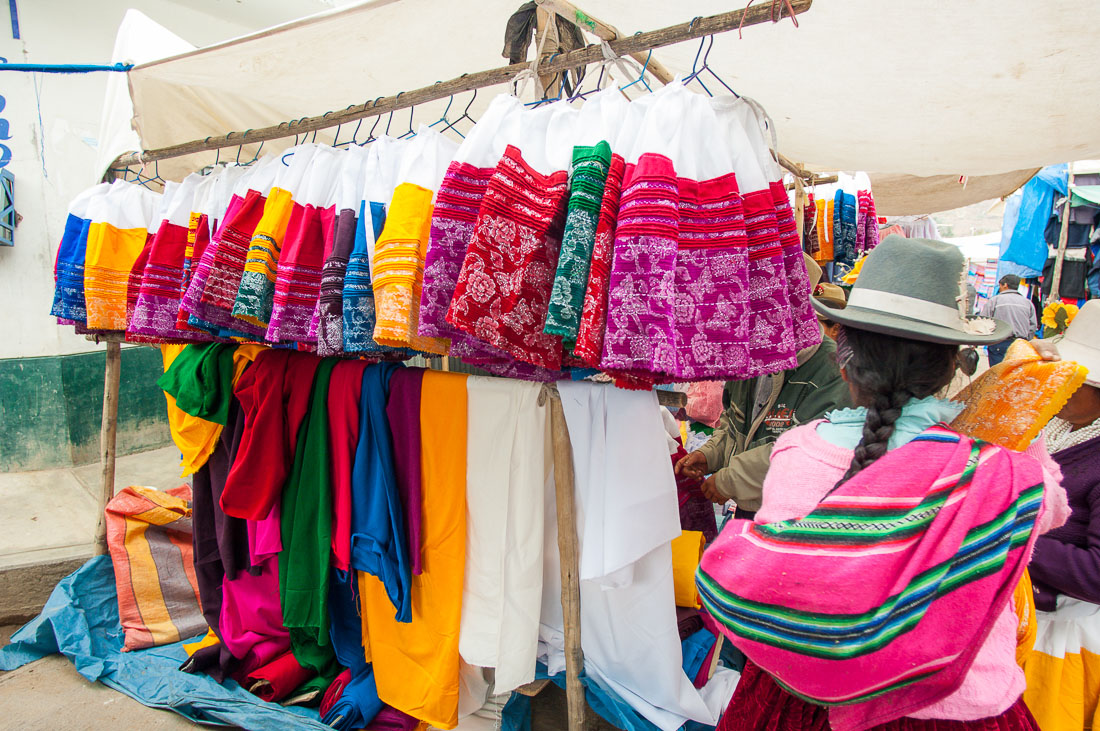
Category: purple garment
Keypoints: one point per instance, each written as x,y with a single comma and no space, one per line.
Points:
265,537
771,323
640,326
329,316
220,544
1067,559
403,413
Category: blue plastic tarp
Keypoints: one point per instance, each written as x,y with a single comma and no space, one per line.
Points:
80,620
1022,240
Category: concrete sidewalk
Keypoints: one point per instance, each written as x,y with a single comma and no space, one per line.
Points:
48,520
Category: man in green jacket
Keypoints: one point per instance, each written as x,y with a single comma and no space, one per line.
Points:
756,412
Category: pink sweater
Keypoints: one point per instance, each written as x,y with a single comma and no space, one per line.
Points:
804,467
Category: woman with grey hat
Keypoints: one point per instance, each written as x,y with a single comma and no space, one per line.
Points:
874,588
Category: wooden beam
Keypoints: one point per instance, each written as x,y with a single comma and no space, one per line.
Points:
569,551
108,435
1063,239
642,42
604,32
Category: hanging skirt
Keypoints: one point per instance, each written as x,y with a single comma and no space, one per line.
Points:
586,183
111,255
771,326
1063,669
68,296
640,337
807,332
213,289
712,282
589,347
252,304
158,301
759,704
133,287
503,290
399,271
358,294
330,303
198,237
298,284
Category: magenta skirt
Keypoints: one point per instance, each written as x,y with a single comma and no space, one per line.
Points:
759,704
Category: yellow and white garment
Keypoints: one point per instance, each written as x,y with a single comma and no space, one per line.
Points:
1063,669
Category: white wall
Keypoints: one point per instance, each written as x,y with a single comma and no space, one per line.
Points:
54,122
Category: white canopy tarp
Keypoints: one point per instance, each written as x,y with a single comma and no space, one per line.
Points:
907,87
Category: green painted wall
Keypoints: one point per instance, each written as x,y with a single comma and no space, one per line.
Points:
51,408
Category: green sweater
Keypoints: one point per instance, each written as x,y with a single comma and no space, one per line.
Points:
739,451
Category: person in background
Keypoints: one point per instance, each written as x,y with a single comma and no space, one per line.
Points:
756,412
1065,567
1008,305
833,296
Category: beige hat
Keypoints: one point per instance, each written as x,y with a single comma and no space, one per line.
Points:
831,295
1079,342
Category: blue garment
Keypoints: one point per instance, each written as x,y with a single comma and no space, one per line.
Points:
359,703
358,294
68,293
997,351
80,620
844,427
695,649
1024,243
845,209
378,543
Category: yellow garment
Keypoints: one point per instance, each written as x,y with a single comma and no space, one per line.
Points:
196,438
257,288
207,640
1063,671
686,552
416,664
1011,402
111,254
819,250
398,274
850,277
1024,602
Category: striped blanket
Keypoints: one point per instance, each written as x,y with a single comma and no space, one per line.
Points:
877,601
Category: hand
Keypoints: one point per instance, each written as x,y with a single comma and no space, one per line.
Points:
710,491
693,465
1046,349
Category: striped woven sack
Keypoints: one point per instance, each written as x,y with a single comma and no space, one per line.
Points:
149,537
877,601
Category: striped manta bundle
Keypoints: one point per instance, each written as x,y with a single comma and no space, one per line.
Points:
876,602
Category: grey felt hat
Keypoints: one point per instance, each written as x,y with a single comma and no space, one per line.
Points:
916,289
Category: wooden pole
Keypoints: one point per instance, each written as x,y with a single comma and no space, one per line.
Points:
568,549
107,438
642,42
1063,238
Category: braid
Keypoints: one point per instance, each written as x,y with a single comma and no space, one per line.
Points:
887,372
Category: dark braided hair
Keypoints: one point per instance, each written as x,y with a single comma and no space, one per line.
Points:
885,372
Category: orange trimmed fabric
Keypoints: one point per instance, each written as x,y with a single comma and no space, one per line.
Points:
1011,402
112,253
149,538
399,271
416,664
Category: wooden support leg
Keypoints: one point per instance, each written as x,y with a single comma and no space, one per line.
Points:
570,562
107,436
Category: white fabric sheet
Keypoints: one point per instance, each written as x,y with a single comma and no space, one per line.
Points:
627,515
507,470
